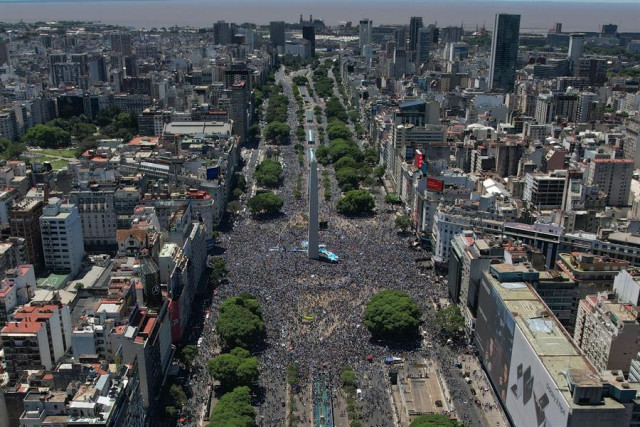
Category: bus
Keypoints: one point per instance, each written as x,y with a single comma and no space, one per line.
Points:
310,138
309,116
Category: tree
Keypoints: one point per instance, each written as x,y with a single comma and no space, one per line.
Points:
233,369
277,132
177,395
218,269
10,150
392,315
434,420
371,156
392,199
347,178
234,207
403,222
189,353
450,321
268,173
240,322
339,148
346,161
265,203
254,131
378,172
47,137
88,143
338,130
356,202
234,410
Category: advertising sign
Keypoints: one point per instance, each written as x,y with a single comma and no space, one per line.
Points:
174,315
494,337
418,159
434,184
533,399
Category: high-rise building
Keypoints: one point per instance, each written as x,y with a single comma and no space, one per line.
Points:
613,177
631,140
62,243
98,214
425,36
98,69
4,51
576,46
366,28
221,33
609,30
309,34
595,69
504,52
606,331
8,124
67,72
400,37
121,42
415,23
276,35
399,62
239,109
539,374
23,220
451,34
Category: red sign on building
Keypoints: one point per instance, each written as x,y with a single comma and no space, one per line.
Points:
434,184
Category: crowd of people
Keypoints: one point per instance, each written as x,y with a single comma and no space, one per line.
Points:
313,310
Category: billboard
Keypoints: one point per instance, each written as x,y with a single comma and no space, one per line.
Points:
494,337
418,159
174,315
533,399
435,184
212,173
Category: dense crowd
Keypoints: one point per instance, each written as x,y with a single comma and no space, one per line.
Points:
313,310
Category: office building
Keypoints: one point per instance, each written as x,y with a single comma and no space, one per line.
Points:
594,69
504,52
222,33
631,140
4,51
366,29
240,109
540,376
121,42
544,191
576,46
67,73
415,24
613,177
309,34
399,62
400,37
24,223
607,332
62,242
276,35
425,36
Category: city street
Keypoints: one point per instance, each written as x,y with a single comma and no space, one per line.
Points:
289,286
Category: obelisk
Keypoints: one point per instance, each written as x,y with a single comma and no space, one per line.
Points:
313,205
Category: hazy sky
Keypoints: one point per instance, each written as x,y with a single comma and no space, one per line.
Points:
584,15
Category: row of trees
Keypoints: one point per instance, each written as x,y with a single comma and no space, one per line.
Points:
322,83
240,328
277,130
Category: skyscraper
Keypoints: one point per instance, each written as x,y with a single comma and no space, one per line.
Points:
121,42
400,36
276,35
221,33
309,34
425,36
61,234
414,25
366,26
504,52
576,47
4,51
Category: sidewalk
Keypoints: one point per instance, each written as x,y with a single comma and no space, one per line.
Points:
488,400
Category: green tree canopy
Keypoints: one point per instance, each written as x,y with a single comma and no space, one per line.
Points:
392,315
240,322
218,269
339,148
346,161
233,369
356,202
277,132
334,110
11,150
47,137
403,222
378,172
189,353
234,410
338,130
434,420
268,173
177,395
348,178
449,320
265,203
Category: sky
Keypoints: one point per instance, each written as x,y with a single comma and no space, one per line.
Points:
584,15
